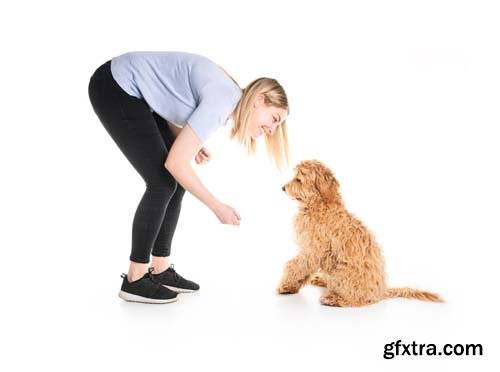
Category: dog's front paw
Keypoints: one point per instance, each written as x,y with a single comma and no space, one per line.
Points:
287,288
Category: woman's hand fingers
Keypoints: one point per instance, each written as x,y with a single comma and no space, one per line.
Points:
206,153
237,215
203,156
198,158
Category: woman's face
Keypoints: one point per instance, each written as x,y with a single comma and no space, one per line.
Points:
265,119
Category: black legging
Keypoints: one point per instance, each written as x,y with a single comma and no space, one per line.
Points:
145,139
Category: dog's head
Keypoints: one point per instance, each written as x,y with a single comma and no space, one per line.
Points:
313,181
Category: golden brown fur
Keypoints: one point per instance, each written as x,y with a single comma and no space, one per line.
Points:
336,250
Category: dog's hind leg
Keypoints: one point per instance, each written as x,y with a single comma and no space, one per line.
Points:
331,298
343,291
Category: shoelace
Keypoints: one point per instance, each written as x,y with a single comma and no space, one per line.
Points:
149,275
176,276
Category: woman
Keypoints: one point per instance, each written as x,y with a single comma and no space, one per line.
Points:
159,108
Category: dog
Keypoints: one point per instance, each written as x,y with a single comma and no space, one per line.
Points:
336,250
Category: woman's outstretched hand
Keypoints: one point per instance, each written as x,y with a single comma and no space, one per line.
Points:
203,156
227,215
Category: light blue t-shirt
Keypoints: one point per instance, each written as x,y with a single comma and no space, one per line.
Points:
180,87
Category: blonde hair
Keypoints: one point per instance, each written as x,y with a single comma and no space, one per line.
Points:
274,95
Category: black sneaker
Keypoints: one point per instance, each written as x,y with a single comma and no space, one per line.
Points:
146,290
170,279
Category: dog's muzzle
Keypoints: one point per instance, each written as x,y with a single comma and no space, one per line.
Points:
283,188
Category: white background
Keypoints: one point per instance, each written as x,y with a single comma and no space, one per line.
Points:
399,98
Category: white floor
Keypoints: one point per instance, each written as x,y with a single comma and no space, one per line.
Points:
63,310
75,320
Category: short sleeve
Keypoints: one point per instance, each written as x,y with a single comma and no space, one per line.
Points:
212,112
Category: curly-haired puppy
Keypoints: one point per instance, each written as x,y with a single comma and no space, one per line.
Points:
336,250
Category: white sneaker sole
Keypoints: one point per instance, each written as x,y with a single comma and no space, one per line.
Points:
135,298
180,290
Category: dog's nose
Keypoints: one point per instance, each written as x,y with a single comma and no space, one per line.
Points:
283,188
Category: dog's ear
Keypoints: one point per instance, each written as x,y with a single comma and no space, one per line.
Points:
326,184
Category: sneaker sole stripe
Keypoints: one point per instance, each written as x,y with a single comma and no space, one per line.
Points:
135,298
180,290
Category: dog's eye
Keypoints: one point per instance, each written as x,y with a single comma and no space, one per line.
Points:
299,181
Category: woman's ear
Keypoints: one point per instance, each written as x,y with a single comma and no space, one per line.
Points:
259,100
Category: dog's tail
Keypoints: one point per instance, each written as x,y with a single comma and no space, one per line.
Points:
412,293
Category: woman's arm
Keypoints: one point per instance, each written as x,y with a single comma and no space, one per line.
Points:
174,129
178,163
203,156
